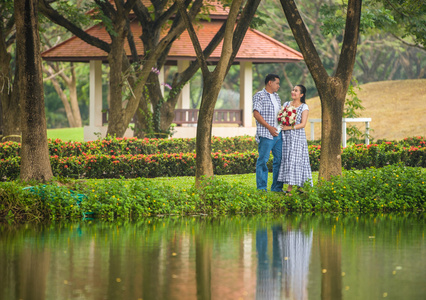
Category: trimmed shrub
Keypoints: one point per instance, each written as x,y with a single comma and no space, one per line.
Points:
131,158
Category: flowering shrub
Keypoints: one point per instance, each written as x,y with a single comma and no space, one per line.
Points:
131,158
380,155
134,146
132,166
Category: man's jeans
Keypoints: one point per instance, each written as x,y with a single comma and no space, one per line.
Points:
265,147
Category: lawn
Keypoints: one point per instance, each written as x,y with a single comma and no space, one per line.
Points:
66,134
247,180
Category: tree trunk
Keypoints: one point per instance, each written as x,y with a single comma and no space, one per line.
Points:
35,160
204,128
72,87
117,125
10,110
332,89
143,119
331,137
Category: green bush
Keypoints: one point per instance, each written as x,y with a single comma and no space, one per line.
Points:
131,158
388,189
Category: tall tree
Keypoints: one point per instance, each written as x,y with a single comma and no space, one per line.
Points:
9,107
35,160
122,72
56,74
331,89
213,79
61,75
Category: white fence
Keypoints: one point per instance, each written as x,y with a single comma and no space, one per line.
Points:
344,121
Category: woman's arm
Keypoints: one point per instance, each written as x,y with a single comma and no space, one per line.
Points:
302,124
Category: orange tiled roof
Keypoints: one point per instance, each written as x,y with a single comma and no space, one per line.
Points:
256,47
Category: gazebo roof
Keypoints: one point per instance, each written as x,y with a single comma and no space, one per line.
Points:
256,47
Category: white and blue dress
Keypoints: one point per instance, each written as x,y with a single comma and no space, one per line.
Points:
295,165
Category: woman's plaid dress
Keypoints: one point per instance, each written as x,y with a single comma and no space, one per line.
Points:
295,166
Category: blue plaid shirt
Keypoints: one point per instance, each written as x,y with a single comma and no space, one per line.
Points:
263,104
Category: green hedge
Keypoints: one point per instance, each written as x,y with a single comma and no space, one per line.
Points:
115,158
133,146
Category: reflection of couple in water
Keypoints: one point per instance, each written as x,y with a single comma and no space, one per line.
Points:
285,274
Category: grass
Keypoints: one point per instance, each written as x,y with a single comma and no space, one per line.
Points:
247,180
66,134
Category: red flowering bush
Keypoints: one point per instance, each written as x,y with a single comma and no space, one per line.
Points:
115,158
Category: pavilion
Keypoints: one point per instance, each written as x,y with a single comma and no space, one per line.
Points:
255,48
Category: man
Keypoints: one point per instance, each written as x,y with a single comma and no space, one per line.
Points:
266,105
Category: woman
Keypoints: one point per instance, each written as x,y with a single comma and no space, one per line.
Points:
295,166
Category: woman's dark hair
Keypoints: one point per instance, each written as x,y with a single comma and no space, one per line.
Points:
270,77
303,91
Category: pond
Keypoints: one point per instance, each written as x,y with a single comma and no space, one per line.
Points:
239,257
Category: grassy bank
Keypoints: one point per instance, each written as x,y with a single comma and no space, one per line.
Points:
388,189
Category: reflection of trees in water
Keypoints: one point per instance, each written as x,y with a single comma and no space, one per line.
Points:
286,277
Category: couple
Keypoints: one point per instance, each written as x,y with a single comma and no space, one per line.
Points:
288,144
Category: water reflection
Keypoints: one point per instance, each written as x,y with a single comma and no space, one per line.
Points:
286,276
264,257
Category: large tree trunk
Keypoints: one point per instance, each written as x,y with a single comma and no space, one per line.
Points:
35,160
203,146
331,138
332,89
10,112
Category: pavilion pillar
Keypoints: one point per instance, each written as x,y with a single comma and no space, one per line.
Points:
161,80
185,95
95,108
246,92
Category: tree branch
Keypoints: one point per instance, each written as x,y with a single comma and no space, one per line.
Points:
304,41
196,43
55,17
350,41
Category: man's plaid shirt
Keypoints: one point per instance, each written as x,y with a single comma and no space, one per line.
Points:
263,104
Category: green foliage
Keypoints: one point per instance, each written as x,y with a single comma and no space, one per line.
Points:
333,19
409,19
389,189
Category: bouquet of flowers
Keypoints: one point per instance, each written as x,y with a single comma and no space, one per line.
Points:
287,116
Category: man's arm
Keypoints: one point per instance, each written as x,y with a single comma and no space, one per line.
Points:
262,122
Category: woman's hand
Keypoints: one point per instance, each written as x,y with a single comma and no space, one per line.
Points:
283,127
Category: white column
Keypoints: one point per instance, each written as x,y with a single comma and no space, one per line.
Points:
185,95
246,92
161,79
344,133
367,132
95,108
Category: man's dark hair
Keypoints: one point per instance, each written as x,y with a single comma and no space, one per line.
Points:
271,77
